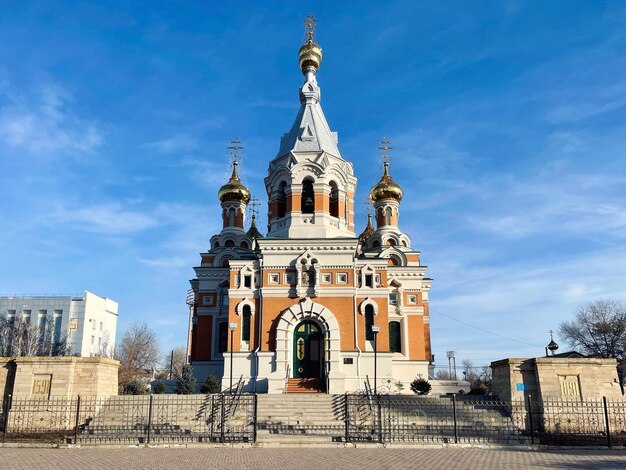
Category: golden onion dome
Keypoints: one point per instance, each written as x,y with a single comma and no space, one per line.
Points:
234,190
310,55
369,230
386,188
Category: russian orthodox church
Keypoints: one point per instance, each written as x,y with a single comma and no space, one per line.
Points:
310,301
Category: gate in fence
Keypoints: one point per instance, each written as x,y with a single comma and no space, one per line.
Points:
132,419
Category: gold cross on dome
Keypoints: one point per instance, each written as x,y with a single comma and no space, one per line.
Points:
309,27
253,204
384,148
234,147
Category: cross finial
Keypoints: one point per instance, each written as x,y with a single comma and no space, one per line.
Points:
309,27
551,333
254,203
385,146
234,147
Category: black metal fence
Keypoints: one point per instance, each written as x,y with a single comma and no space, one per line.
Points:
410,419
367,418
132,419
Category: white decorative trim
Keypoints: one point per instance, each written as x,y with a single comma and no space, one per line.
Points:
368,301
307,310
244,302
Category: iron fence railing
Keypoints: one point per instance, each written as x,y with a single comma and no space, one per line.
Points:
232,417
411,419
132,419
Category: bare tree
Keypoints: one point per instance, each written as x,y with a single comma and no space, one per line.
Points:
478,377
138,351
19,337
598,329
5,336
443,374
175,359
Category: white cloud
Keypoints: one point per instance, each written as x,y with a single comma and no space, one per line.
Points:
519,300
171,262
42,122
551,203
110,218
177,143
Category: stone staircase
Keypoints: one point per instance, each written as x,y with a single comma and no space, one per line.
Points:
300,419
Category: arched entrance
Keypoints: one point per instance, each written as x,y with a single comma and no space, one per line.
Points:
307,350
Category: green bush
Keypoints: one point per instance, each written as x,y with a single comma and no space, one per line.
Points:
159,388
186,383
210,385
478,389
420,386
133,388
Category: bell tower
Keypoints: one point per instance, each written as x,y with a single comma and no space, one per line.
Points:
310,187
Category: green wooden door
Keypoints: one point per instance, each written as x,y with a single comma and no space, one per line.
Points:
307,351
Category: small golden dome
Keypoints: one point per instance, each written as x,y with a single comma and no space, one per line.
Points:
369,230
234,190
310,55
386,188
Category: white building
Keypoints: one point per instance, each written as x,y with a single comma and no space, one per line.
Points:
88,321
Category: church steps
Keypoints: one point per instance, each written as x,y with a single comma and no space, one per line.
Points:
300,419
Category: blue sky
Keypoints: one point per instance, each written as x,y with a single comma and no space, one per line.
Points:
507,120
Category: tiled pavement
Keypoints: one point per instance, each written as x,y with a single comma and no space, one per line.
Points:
304,458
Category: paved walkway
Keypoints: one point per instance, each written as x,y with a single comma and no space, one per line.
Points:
303,458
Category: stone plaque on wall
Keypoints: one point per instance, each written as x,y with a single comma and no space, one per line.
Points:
569,385
41,385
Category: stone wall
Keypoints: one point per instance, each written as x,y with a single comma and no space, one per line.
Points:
46,377
555,378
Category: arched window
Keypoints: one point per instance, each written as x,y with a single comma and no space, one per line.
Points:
334,199
229,244
375,243
222,339
231,218
388,216
394,261
244,245
245,323
216,244
281,199
395,341
308,197
369,322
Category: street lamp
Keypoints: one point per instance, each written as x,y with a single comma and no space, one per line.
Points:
232,326
375,330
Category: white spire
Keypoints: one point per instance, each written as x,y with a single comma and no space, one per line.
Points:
310,131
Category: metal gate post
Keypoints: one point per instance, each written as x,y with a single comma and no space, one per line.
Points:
149,419
7,408
212,415
530,419
255,418
380,420
77,420
456,428
606,421
223,420
346,418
